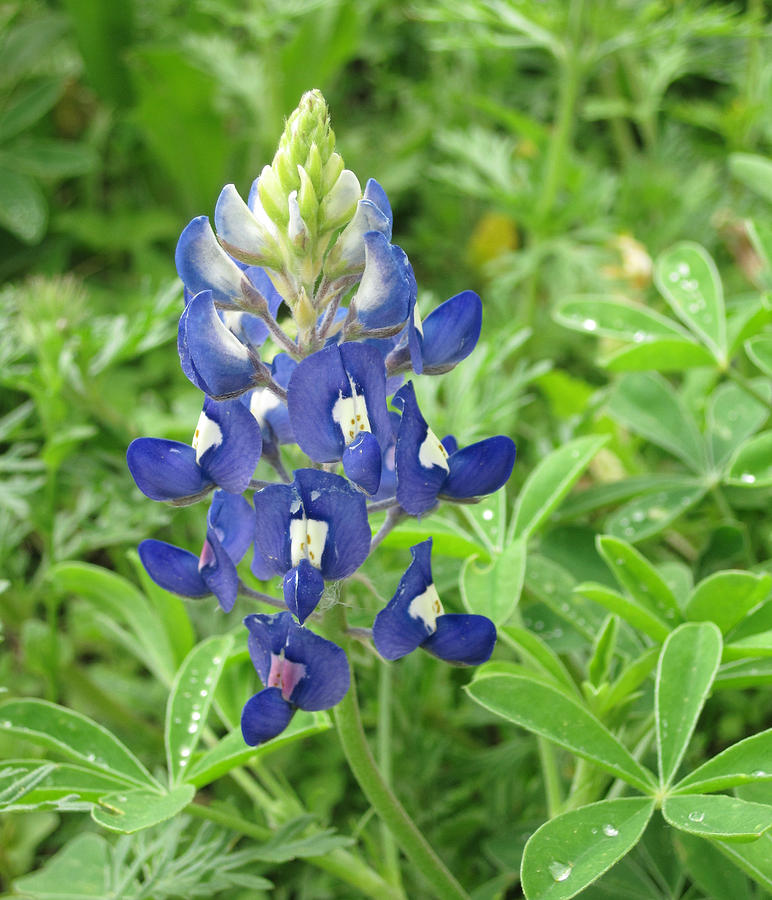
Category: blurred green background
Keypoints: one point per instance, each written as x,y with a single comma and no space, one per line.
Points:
531,149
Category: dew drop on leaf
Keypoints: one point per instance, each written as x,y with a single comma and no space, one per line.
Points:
696,816
559,870
610,831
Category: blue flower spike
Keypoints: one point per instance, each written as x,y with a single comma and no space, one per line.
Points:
230,531
225,450
414,617
299,670
311,531
427,472
337,405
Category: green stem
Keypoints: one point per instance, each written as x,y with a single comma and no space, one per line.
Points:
552,787
721,502
340,863
383,748
360,759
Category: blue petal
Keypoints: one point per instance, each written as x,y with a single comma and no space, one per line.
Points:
262,281
232,519
219,572
218,357
166,470
203,265
184,352
246,328
362,462
330,498
272,541
366,368
327,675
265,716
480,468
315,386
376,195
173,568
417,485
303,588
231,463
462,639
450,444
395,632
451,332
267,637
387,290
239,230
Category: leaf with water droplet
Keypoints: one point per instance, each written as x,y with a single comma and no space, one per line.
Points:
663,355
493,590
688,279
650,514
75,736
752,464
687,666
134,810
746,762
616,318
718,816
572,850
732,417
183,730
636,575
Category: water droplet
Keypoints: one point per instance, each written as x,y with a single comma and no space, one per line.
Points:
538,626
689,284
216,660
696,816
177,720
183,763
195,716
185,751
760,773
674,276
594,830
122,799
186,694
487,514
589,324
193,728
610,831
639,515
629,532
639,337
747,478
91,757
203,693
560,871
6,724
683,269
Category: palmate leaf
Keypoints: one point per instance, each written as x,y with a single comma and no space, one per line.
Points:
569,852
648,515
752,465
618,319
687,666
747,762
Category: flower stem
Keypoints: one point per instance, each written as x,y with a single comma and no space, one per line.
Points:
391,812
383,746
340,863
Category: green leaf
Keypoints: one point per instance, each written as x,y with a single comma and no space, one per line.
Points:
50,782
759,350
718,816
755,859
752,465
687,278
547,711
75,736
747,762
648,515
493,590
636,575
760,234
754,171
755,645
614,492
231,751
287,844
50,159
744,673
189,701
648,405
23,208
551,584
550,481
447,541
569,852
633,675
707,869
639,617
732,417
30,103
80,870
130,811
532,648
615,318
727,597
687,666
603,649
663,355
111,594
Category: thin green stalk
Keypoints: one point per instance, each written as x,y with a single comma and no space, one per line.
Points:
552,788
722,504
360,759
383,750
341,863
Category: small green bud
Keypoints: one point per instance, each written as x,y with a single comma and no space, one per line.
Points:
272,197
286,171
309,205
313,167
332,169
340,204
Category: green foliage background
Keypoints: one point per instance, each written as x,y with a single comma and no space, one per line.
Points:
544,154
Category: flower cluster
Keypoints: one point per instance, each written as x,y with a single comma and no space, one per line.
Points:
310,250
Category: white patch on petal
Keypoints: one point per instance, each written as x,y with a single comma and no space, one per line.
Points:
207,435
427,607
350,413
261,403
307,540
432,453
232,320
419,325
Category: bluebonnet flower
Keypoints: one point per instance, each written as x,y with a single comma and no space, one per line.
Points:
230,531
225,450
427,470
269,410
299,670
312,530
337,404
387,292
414,617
